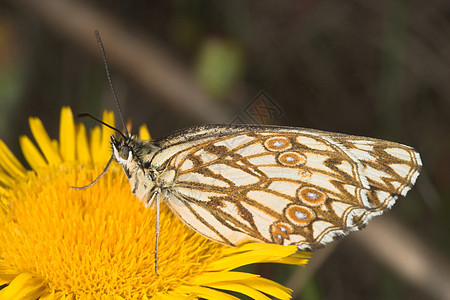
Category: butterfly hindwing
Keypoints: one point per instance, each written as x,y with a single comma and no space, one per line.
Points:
280,185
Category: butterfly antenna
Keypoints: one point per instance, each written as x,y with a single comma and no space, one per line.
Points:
96,179
86,115
108,75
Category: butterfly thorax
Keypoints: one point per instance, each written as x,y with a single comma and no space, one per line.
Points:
135,156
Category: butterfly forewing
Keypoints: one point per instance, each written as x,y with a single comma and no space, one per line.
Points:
282,185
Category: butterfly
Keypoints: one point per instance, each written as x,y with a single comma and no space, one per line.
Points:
285,185
291,186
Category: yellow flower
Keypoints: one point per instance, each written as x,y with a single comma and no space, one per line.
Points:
58,243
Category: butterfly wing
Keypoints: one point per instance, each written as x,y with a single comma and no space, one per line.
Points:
281,185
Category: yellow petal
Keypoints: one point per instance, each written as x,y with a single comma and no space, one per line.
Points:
44,142
108,118
144,134
55,146
212,277
83,153
6,274
269,287
206,293
95,145
67,135
24,286
9,162
6,180
291,260
235,287
32,154
238,258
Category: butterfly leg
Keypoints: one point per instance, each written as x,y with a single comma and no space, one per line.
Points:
105,170
158,202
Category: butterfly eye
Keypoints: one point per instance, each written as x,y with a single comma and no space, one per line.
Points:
124,152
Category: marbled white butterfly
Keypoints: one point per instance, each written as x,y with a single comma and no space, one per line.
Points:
272,184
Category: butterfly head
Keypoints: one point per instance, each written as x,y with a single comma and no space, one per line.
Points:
126,152
134,155
122,150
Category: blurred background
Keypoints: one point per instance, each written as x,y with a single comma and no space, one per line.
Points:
371,68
